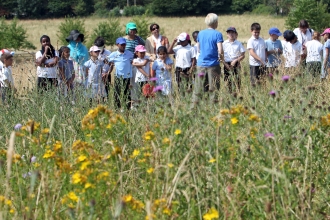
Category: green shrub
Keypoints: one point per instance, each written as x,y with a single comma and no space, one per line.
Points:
142,25
101,9
115,12
13,36
314,12
68,25
133,10
109,30
264,10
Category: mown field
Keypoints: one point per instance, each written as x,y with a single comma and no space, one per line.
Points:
260,153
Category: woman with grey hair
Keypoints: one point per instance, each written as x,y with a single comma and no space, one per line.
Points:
209,45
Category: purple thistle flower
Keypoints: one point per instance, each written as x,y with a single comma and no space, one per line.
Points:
153,79
287,116
272,93
269,135
201,74
285,78
158,88
270,75
33,159
17,127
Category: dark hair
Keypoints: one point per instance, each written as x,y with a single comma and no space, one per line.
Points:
255,27
289,36
195,32
99,41
62,49
152,25
303,24
5,56
161,49
51,52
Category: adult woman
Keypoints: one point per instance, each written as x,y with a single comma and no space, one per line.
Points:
79,55
304,34
209,45
155,40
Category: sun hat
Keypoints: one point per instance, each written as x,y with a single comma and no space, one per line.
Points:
130,26
74,34
121,40
140,48
94,48
275,31
3,51
326,31
231,29
183,36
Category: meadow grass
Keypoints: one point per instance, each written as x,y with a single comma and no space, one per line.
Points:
253,155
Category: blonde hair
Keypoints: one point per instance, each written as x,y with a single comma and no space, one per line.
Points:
316,35
211,19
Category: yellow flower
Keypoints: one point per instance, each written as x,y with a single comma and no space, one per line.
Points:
57,146
167,211
234,120
76,178
84,165
142,160
73,196
212,160
8,202
147,154
2,198
88,185
103,175
12,211
150,170
254,118
45,131
149,135
170,165
211,214
137,204
81,158
177,132
224,111
135,153
49,154
166,141
127,198
108,126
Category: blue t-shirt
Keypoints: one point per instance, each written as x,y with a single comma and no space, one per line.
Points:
208,48
123,63
67,66
273,59
327,45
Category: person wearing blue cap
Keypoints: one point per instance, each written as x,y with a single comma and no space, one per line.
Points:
274,49
122,60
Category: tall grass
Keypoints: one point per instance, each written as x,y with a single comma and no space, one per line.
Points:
251,156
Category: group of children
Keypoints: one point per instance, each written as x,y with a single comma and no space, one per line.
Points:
74,66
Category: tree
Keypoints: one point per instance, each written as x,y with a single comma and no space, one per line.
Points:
61,8
240,6
315,14
31,8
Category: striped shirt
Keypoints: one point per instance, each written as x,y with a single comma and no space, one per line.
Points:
131,44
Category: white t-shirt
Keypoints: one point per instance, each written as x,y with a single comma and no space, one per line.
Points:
183,56
139,77
47,72
232,50
196,52
6,74
157,41
259,47
314,51
292,53
1,65
303,38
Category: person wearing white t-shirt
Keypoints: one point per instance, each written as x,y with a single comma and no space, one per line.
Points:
6,77
234,53
292,50
195,35
46,61
143,68
185,58
257,50
314,51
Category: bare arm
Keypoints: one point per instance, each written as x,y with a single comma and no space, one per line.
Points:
140,64
255,56
170,50
220,51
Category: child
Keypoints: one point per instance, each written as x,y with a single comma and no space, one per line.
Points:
257,50
292,50
161,68
274,49
185,58
46,60
122,59
2,52
66,72
234,53
95,86
314,54
195,35
326,51
6,77
143,67
100,43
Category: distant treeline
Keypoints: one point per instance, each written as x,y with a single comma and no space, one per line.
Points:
104,8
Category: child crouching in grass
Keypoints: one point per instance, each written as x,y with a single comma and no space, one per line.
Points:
6,78
66,72
95,85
